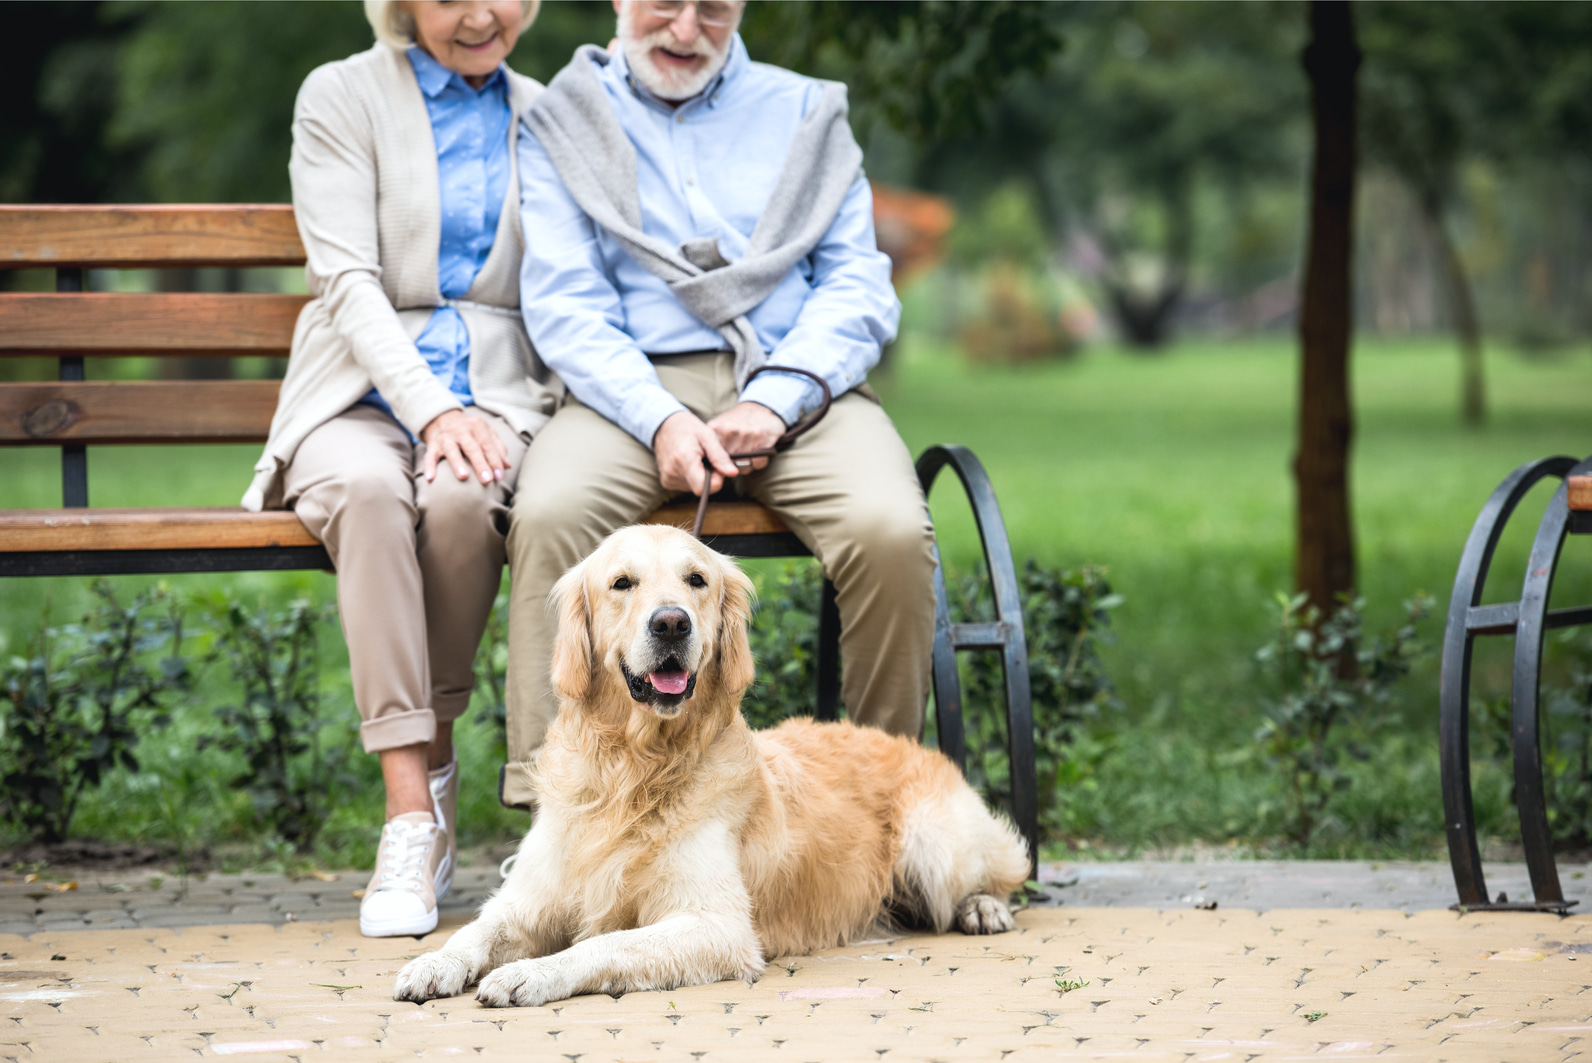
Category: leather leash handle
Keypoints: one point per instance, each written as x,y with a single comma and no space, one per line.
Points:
793,433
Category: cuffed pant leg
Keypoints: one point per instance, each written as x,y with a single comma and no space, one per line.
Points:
350,483
848,489
582,478
459,544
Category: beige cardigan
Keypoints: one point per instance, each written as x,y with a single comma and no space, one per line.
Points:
364,172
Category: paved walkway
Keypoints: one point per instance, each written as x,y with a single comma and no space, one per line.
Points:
1306,960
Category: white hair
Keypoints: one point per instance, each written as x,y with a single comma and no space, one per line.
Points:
395,26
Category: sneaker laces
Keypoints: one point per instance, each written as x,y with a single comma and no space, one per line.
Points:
405,847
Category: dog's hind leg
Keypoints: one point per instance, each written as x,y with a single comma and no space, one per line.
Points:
523,918
959,863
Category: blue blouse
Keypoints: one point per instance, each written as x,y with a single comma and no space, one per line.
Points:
471,131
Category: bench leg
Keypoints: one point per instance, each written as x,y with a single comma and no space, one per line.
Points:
1526,620
947,684
1530,796
1006,635
828,707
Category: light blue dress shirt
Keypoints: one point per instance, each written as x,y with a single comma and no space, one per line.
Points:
471,130
704,169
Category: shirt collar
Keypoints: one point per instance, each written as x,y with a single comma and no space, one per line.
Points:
434,77
733,67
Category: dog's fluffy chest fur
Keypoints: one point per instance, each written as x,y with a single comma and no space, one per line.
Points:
621,818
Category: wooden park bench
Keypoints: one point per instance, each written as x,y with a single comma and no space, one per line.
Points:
1526,619
71,324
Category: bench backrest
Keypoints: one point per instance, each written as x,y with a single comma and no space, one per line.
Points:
71,324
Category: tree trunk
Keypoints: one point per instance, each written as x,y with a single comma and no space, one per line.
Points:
1324,551
1473,395
1146,317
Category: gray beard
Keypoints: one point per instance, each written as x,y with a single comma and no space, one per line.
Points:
660,84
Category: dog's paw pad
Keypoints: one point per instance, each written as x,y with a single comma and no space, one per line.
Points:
983,914
429,977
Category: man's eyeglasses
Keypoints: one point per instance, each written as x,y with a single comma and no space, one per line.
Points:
708,12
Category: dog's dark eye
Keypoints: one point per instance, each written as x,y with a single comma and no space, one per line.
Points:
695,579
622,583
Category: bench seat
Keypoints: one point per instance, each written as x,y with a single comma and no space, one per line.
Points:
1580,493
58,531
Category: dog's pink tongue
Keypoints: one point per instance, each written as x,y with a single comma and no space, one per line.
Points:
668,682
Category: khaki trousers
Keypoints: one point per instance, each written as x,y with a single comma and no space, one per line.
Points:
847,489
418,565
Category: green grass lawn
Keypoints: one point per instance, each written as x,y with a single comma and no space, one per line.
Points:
1170,469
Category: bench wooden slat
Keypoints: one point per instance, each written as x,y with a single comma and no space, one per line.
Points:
724,518
178,323
131,237
191,528
1580,492
137,411
204,527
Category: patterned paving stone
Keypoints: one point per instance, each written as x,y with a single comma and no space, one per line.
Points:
1150,984
272,968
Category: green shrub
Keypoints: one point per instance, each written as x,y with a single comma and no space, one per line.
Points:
294,777
784,636
76,705
1566,743
1329,678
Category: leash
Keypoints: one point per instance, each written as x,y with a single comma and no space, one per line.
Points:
795,432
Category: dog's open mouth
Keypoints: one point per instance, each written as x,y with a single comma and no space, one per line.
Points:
665,686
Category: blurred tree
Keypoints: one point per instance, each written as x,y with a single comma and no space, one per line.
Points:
1155,97
207,90
1324,544
1447,83
138,100
1421,119
1148,101
931,68
60,88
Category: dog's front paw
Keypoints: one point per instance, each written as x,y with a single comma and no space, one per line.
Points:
438,974
982,914
523,984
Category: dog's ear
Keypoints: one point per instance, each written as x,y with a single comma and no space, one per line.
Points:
736,670
572,645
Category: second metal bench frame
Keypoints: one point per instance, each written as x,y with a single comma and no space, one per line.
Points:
1526,619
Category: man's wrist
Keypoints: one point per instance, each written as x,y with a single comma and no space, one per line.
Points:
781,397
651,423
770,409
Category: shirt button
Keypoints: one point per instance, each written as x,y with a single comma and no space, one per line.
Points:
680,118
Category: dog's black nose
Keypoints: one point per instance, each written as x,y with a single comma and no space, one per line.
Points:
671,623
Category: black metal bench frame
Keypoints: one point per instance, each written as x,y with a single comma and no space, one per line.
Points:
1526,619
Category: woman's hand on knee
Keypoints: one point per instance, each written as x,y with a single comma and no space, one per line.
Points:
468,444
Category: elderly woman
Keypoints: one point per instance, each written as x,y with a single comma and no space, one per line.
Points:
412,392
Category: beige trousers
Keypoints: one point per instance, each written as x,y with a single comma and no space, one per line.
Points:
847,489
418,565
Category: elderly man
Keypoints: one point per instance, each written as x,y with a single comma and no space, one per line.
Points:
690,216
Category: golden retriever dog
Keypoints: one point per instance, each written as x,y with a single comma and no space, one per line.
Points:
675,846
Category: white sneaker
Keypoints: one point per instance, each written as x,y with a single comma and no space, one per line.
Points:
444,783
401,898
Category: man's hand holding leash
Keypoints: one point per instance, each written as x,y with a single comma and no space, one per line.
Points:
684,445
